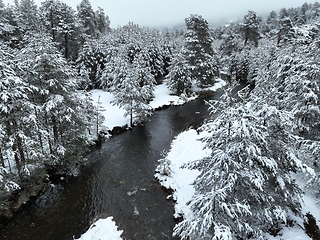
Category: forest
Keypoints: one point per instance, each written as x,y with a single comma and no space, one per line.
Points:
51,56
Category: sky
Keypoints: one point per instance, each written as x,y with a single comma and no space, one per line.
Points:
168,13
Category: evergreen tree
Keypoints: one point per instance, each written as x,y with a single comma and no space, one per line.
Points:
87,20
16,125
283,13
251,28
91,64
179,77
245,186
102,20
60,21
286,31
198,50
27,15
8,26
135,90
58,104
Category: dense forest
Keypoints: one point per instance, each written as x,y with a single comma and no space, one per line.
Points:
52,55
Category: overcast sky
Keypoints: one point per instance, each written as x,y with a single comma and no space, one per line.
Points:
167,13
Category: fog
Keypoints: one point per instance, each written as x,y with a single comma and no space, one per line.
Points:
168,13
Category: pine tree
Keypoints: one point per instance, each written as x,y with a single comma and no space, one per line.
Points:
179,77
61,23
8,26
102,20
135,90
286,31
58,104
87,20
16,142
245,186
198,50
251,28
27,15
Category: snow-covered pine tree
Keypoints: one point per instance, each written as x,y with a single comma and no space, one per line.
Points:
61,22
8,26
91,63
135,90
245,186
250,28
27,15
87,20
58,103
102,21
198,50
286,31
17,145
179,76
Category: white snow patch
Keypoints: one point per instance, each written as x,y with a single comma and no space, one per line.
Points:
103,229
113,114
185,148
162,96
288,233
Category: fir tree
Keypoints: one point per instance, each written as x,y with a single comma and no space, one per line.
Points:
87,20
27,15
60,21
198,50
251,28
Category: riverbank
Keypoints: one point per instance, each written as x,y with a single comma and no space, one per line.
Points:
163,97
187,147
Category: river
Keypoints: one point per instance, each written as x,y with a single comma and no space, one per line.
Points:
118,182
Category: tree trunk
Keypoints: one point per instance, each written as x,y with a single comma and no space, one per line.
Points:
55,129
66,46
52,26
20,149
279,37
2,159
131,114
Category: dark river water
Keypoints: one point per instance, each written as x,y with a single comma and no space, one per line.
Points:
118,181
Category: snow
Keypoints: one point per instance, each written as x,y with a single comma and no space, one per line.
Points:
103,229
187,147
114,116
163,96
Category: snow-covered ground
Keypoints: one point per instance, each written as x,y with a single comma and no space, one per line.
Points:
103,229
163,96
187,147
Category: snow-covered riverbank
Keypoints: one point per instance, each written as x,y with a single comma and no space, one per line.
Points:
114,116
102,229
187,147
